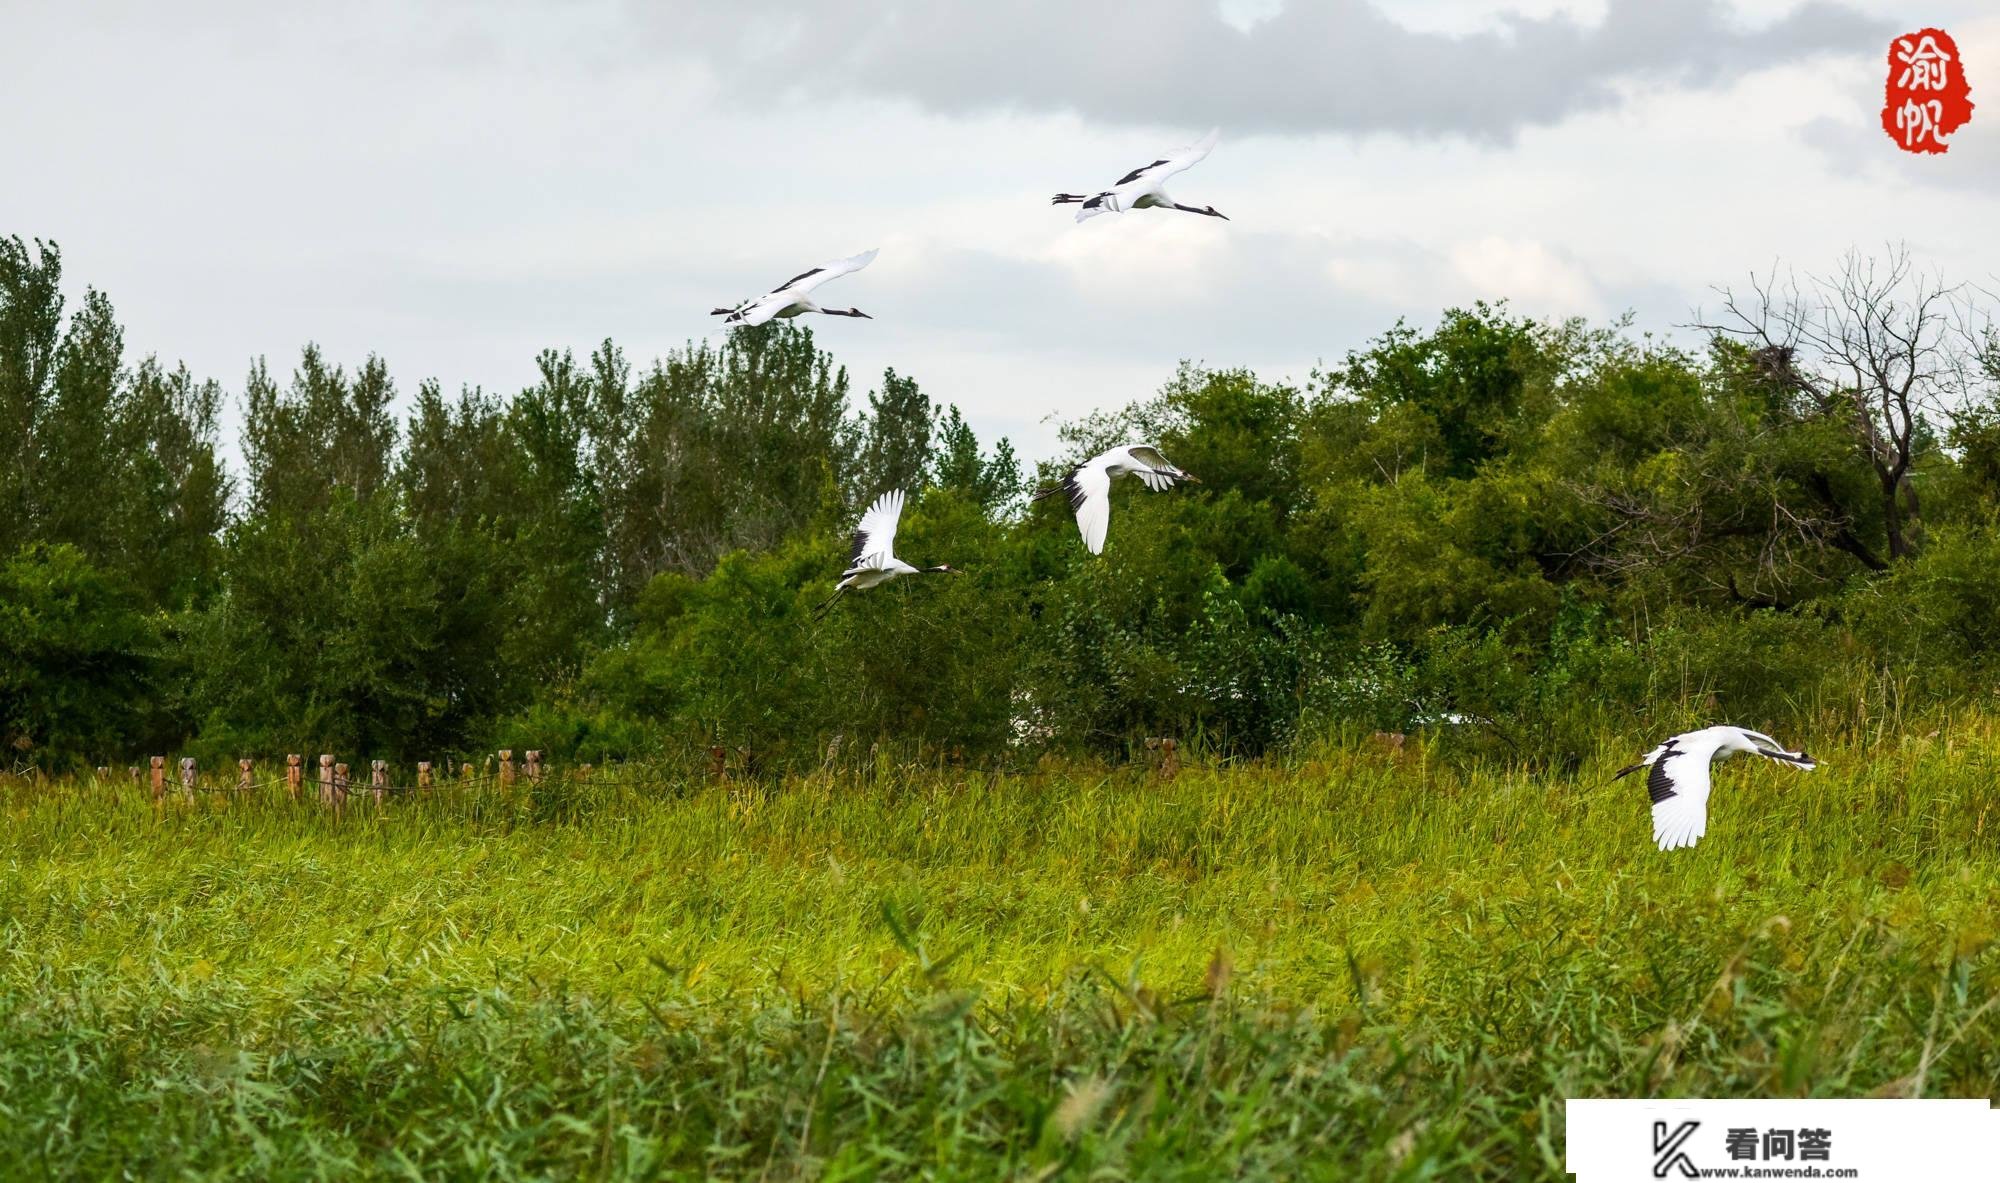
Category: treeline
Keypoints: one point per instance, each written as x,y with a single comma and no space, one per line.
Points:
1514,529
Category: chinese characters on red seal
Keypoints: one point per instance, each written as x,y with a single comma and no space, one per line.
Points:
1927,97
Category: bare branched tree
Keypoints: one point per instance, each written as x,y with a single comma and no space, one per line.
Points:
1887,348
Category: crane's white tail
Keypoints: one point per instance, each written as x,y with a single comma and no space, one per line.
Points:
1066,198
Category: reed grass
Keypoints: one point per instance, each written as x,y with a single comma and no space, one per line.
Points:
1347,964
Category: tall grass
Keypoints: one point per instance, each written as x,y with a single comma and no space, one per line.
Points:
1349,964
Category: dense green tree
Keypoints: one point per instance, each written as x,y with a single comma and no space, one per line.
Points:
1491,518
993,480
896,439
30,330
327,431
76,656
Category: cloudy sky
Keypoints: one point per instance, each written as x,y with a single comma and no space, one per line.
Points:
456,186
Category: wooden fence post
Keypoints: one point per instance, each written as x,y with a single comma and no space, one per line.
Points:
465,771
718,761
326,778
506,768
294,775
583,772
187,777
378,777
1170,760
133,772
535,765
243,778
340,784
423,774
159,779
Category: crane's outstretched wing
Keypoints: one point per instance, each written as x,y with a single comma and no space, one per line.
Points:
806,281
875,537
1088,487
1162,474
1179,161
758,311
1097,203
1678,783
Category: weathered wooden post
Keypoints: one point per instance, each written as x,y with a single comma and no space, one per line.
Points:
326,778
187,777
718,761
294,775
378,779
535,765
243,778
103,772
583,772
1390,743
340,784
134,772
506,768
423,774
1170,761
159,779
465,771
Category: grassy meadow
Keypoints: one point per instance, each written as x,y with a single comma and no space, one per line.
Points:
1351,964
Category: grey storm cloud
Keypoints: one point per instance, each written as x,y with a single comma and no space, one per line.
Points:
1328,65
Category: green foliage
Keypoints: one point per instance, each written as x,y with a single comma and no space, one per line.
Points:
119,462
75,660
1551,527
1937,617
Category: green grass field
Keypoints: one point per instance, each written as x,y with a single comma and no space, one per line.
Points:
1355,966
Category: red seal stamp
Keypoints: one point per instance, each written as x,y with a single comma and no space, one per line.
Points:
1927,97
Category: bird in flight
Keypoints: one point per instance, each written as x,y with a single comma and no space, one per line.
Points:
1678,782
795,295
1088,486
873,560
1145,187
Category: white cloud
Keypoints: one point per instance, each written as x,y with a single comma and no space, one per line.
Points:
1330,65
1529,273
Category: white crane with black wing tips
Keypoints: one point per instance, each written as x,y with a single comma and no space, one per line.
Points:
1088,486
1145,187
873,560
1678,781
794,296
